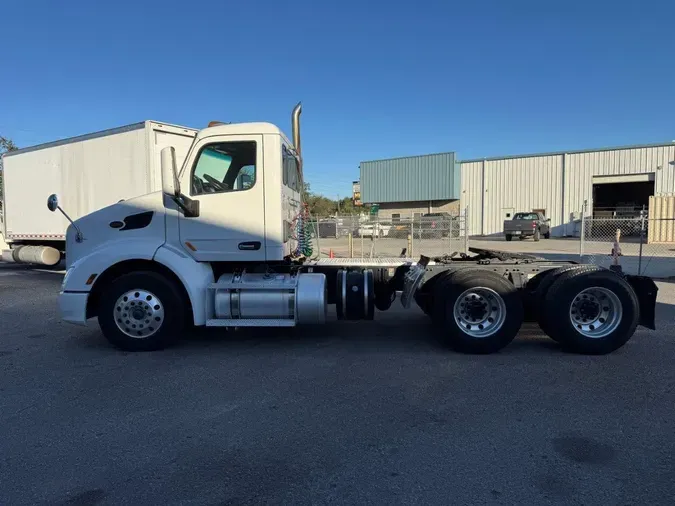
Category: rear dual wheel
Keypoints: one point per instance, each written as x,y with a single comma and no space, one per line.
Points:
590,310
476,311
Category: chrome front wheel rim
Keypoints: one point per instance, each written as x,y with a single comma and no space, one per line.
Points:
596,312
480,312
139,313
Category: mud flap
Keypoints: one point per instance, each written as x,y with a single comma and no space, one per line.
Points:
646,291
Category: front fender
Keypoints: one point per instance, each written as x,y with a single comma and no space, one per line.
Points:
103,257
195,276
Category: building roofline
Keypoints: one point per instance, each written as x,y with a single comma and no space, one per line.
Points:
454,153
570,152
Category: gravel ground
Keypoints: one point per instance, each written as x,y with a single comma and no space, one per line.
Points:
367,412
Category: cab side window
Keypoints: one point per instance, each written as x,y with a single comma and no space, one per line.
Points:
291,176
225,167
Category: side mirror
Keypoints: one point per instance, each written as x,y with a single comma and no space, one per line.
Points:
53,202
170,183
53,205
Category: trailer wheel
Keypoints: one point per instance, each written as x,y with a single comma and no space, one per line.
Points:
508,237
592,312
477,311
141,311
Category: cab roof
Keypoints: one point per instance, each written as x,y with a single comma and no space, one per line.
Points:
242,129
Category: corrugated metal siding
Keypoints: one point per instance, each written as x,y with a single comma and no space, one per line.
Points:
551,180
581,167
428,177
471,196
522,185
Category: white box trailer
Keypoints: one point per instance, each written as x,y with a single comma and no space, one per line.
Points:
88,173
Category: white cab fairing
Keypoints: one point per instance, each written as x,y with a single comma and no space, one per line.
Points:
104,247
131,229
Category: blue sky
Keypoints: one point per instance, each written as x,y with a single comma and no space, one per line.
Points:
377,79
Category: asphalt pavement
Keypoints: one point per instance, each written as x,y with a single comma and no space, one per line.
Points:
348,413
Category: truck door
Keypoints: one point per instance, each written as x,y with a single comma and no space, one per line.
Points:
224,174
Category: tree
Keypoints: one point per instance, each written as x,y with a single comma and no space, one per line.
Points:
6,145
322,207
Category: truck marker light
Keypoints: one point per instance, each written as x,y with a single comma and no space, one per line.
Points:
91,279
189,245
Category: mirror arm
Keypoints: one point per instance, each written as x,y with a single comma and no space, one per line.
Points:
78,236
189,207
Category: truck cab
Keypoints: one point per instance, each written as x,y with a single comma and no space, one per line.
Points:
245,181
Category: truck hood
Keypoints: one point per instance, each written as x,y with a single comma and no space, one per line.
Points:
124,223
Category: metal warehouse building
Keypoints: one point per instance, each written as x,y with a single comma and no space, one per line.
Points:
404,187
611,180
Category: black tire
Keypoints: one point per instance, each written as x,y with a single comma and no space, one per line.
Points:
449,288
509,237
537,235
169,296
424,296
541,288
531,304
547,235
559,302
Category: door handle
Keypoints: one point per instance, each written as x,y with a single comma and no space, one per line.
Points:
249,246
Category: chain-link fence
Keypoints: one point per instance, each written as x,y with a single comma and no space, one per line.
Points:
639,244
376,237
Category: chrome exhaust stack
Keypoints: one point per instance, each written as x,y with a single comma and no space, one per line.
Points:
295,124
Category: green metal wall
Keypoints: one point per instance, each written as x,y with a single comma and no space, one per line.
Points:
409,179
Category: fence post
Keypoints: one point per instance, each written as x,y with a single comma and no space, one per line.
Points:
583,229
642,239
351,244
376,232
318,236
362,240
412,236
466,230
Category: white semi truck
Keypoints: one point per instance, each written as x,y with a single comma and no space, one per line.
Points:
223,244
89,172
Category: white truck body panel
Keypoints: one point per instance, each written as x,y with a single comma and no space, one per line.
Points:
88,173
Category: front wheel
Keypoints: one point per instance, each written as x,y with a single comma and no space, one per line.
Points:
509,237
547,235
142,311
477,311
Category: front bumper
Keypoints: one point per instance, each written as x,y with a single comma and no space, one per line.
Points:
73,307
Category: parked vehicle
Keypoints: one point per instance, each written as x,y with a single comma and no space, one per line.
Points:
437,225
90,172
524,225
373,230
203,252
